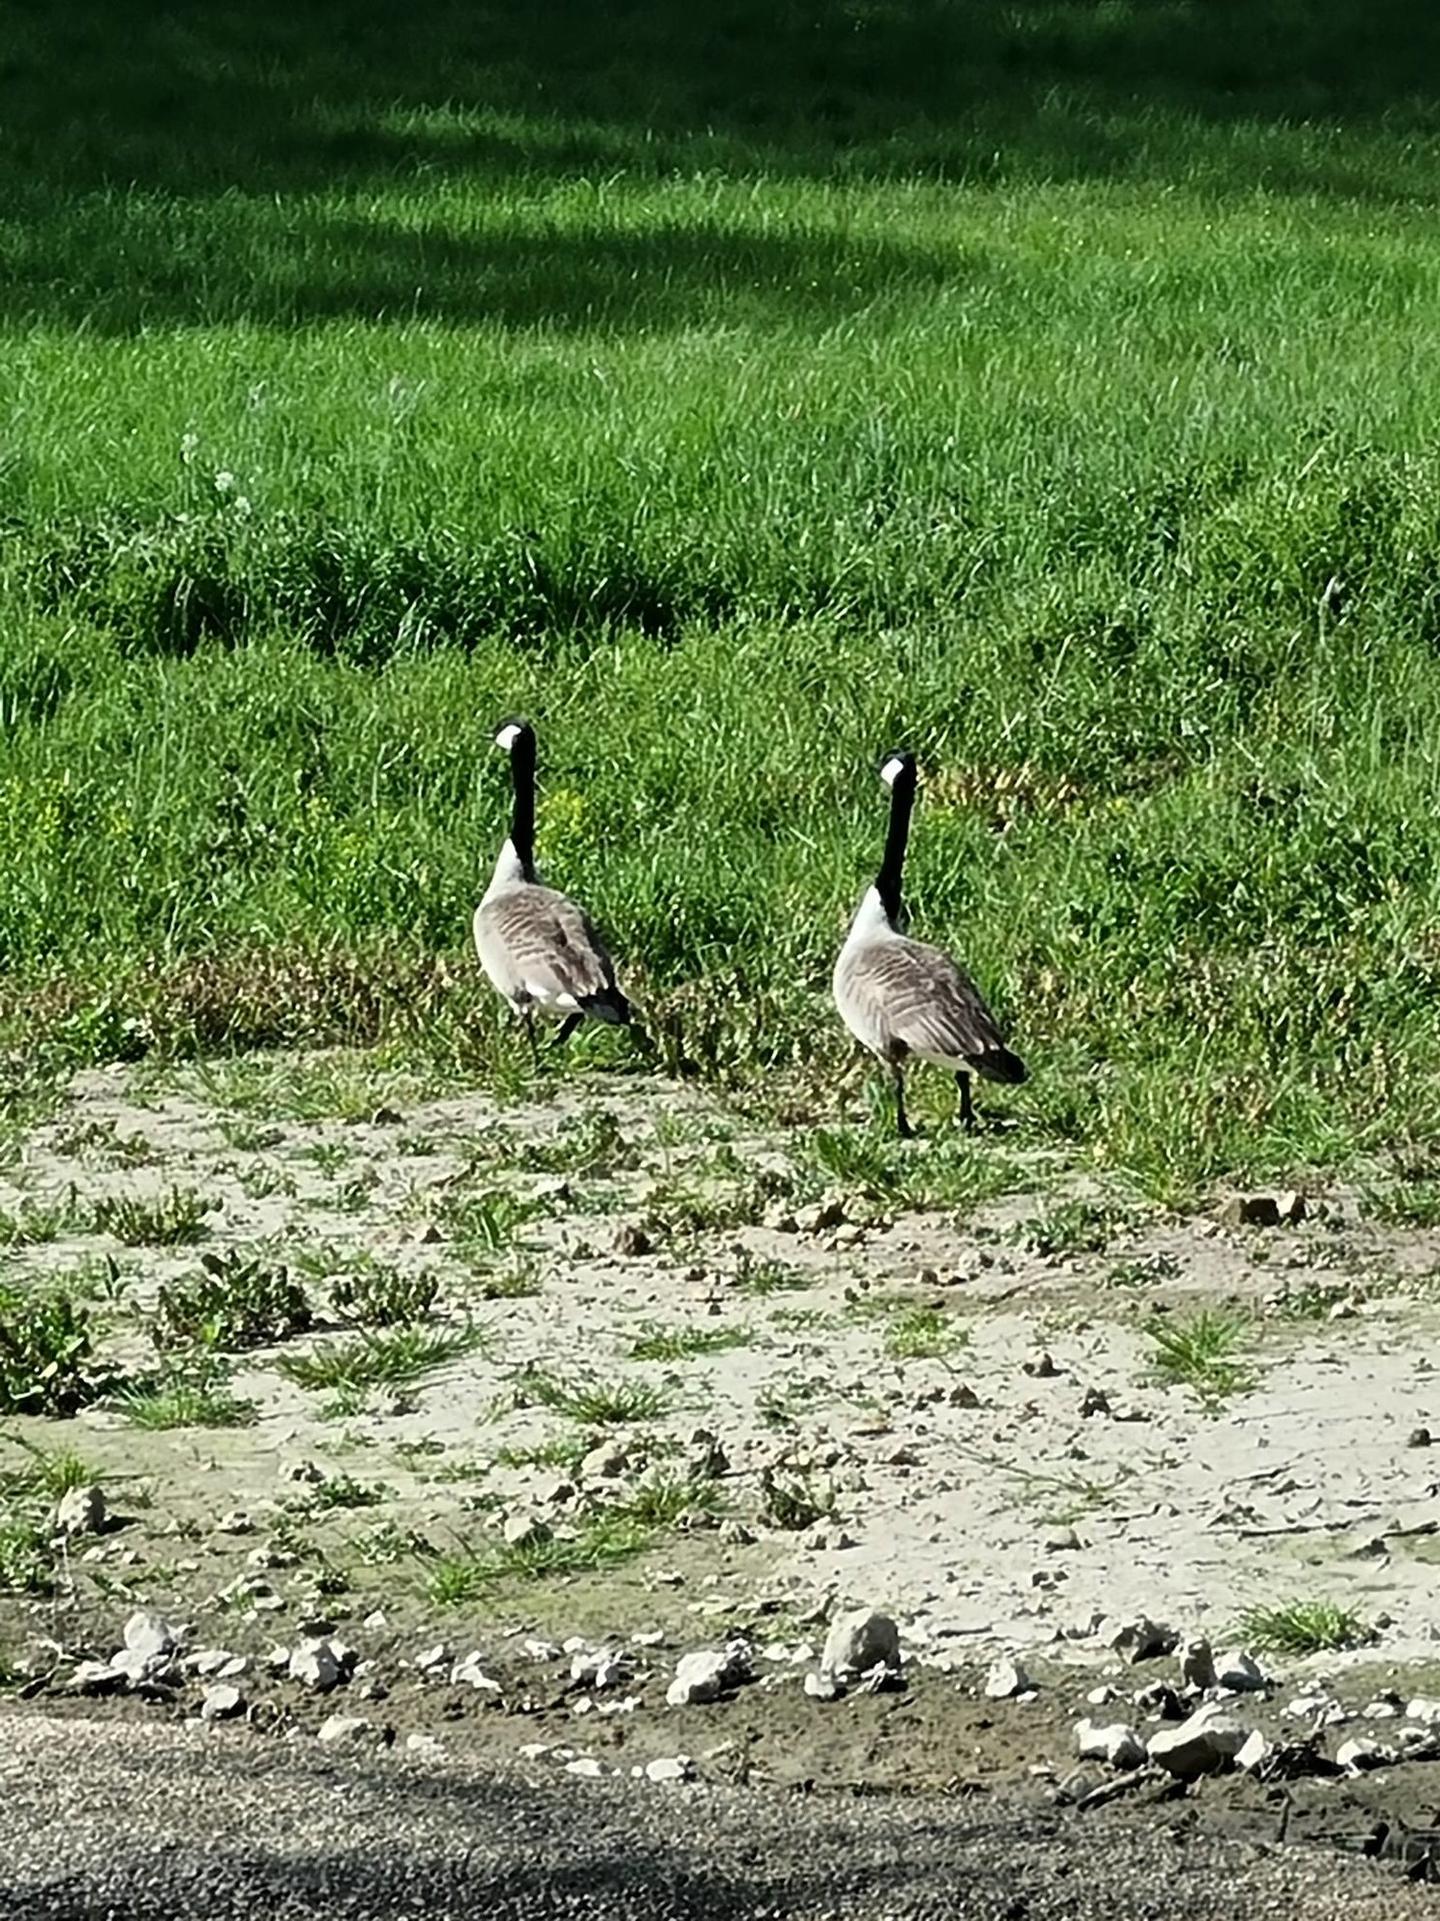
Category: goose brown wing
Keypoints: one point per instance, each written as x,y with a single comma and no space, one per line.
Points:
925,1004
550,948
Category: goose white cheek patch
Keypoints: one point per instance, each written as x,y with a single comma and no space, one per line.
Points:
507,737
891,771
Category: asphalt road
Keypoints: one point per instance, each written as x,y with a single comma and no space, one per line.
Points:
126,1821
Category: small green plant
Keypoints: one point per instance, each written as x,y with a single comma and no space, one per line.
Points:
487,1223
349,1368
593,1145
104,1138
1070,1228
923,1334
588,1399
47,1355
384,1545
517,1284
175,1219
1303,1627
683,1343
233,1304
45,1473
663,1498
328,1156
37,1223
384,1297
562,1452
605,1541
865,1162
1413,1203
187,1390
1202,1353
26,1561
761,1278
344,1491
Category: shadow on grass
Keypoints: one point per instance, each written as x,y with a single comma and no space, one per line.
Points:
114,117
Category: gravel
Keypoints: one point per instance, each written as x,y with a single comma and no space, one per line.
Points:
139,1822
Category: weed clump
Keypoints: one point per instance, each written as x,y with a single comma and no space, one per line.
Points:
233,1304
47,1355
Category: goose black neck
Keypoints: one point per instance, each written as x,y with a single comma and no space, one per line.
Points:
522,818
892,867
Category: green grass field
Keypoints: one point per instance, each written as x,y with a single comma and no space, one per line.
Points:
741,392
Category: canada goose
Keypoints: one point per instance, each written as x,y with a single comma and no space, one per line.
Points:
537,947
904,1000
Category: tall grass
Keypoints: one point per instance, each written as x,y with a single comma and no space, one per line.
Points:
741,392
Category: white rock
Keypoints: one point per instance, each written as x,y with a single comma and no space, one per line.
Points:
1427,1713
1198,1746
237,1521
1360,1753
344,1728
210,1663
859,1641
138,1666
1311,1707
1239,1673
469,1672
523,1530
375,1620
1060,1540
1380,1711
706,1674
151,1636
427,1746
428,1660
1005,1680
1116,1743
607,1462
586,1766
81,1511
673,1767
221,1702
1252,1751
315,1664
95,1677
600,1668
821,1687
1102,1696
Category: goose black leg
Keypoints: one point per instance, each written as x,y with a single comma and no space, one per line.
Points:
567,1028
529,1020
967,1106
902,1126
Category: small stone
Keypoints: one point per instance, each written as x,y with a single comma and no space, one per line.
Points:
1102,1696
1361,1753
736,1534
276,1659
150,1637
302,1473
1197,1664
607,1462
708,1673
221,1702
1292,1207
1251,1210
523,1530
1005,1680
1252,1751
1201,1745
673,1767
859,1641
1380,1711
430,1660
375,1620
1240,1674
426,1746
1142,1639
1321,1708
1117,1744
95,1677
469,1672
1041,1366
81,1511
211,1663
1060,1540
601,1669
428,1234
237,1521
346,1729
1418,1437
316,1665
1161,1701
780,1220
1426,1712
821,1687
386,1117
1096,1401
631,1240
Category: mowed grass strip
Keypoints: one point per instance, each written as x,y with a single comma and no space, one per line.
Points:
1050,390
